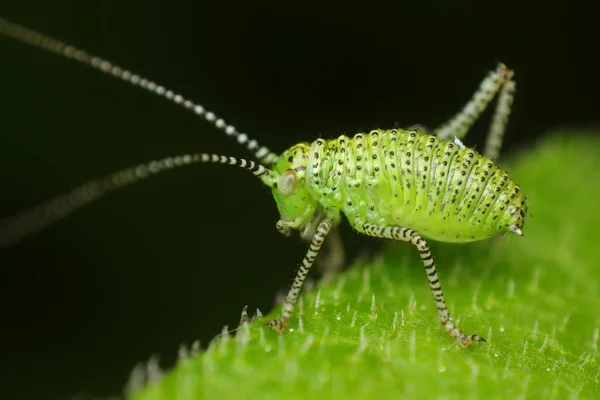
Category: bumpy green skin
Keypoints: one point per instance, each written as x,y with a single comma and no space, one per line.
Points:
401,178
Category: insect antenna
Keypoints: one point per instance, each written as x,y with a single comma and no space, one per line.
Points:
20,33
28,222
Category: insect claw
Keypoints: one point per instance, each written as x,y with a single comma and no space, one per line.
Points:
275,325
466,340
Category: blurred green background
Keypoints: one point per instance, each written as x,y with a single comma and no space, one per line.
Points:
166,261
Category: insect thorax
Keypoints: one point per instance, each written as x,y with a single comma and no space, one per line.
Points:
402,178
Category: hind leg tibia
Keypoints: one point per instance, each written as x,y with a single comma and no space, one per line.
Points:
459,125
410,236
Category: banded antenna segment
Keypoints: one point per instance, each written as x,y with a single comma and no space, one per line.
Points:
20,33
14,229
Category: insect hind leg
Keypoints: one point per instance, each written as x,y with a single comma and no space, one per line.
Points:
410,236
500,79
493,143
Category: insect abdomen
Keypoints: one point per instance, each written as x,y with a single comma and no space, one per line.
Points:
414,180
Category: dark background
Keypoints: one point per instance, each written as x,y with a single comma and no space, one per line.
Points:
175,258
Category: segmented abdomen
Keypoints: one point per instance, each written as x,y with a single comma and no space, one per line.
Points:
414,180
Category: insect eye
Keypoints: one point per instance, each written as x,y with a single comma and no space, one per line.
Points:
287,182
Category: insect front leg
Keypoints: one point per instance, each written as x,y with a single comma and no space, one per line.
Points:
285,230
332,255
459,125
292,296
407,235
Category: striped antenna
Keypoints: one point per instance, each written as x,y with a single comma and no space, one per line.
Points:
31,221
18,32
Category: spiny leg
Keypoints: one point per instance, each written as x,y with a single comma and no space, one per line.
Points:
493,143
459,125
309,258
332,255
410,236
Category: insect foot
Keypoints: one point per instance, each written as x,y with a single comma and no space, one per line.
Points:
466,340
277,325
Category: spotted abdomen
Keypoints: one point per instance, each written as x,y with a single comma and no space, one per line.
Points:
438,188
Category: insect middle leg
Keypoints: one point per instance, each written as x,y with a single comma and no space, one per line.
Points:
292,296
407,235
458,126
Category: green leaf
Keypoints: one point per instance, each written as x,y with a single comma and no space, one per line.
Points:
373,332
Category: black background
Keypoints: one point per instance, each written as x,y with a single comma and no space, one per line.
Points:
175,258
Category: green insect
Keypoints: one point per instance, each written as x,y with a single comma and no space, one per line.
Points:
396,184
